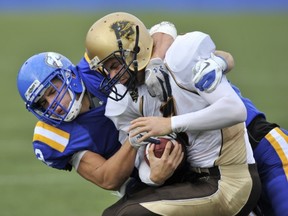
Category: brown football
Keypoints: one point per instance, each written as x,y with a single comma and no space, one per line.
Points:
158,149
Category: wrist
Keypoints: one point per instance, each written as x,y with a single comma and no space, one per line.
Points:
155,181
221,62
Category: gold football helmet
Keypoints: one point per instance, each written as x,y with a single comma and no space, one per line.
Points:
121,36
117,31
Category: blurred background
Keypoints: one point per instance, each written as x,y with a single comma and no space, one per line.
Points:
255,32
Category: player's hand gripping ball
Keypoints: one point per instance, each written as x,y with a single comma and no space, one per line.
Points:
158,149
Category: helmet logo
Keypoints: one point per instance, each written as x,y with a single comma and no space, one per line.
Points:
123,29
54,60
31,90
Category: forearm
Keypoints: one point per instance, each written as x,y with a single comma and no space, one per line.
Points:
161,43
225,109
213,117
120,166
228,58
109,174
163,35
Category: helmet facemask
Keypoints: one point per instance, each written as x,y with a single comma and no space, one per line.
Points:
49,114
128,60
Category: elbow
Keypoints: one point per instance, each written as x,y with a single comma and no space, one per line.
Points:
108,185
111,186
114,184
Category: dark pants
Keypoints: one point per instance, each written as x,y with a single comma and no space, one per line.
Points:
199,187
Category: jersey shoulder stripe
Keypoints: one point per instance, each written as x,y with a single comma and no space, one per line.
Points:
51,136
86,57
279,140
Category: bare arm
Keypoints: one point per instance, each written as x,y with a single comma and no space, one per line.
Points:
108,174
228,58
161,43
163,35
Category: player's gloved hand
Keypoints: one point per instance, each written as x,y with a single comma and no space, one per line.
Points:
134,140
164,27
208,73
157,79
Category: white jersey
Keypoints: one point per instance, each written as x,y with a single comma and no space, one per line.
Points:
209,145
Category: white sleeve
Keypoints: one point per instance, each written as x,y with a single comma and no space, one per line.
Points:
225,109
143,168
144,174
76,158
122,112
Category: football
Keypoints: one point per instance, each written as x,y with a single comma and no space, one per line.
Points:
158,149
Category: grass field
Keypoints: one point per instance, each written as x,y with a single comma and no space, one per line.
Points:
27,187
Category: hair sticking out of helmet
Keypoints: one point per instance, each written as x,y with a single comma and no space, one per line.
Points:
39,73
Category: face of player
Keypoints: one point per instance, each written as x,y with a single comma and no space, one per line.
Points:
114,67
52,97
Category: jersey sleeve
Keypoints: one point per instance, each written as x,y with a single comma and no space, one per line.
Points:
225,110
50,145
123,111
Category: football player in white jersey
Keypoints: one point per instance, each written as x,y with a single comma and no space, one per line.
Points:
219,153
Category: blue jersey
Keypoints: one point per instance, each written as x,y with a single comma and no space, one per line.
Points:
270,151
252,111
91,130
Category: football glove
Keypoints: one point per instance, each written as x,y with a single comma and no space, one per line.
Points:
135,144
157,79
208,73
134,140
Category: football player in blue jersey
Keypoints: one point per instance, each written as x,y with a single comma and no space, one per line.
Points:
72,124
72,130
269,142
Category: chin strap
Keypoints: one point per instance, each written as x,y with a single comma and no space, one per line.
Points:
76,107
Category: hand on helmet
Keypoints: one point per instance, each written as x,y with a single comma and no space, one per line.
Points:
208,73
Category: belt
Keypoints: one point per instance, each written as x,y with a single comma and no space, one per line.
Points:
213,171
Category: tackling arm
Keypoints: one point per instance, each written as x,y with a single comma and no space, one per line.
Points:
108,174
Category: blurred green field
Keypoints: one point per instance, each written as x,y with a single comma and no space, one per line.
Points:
27,187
